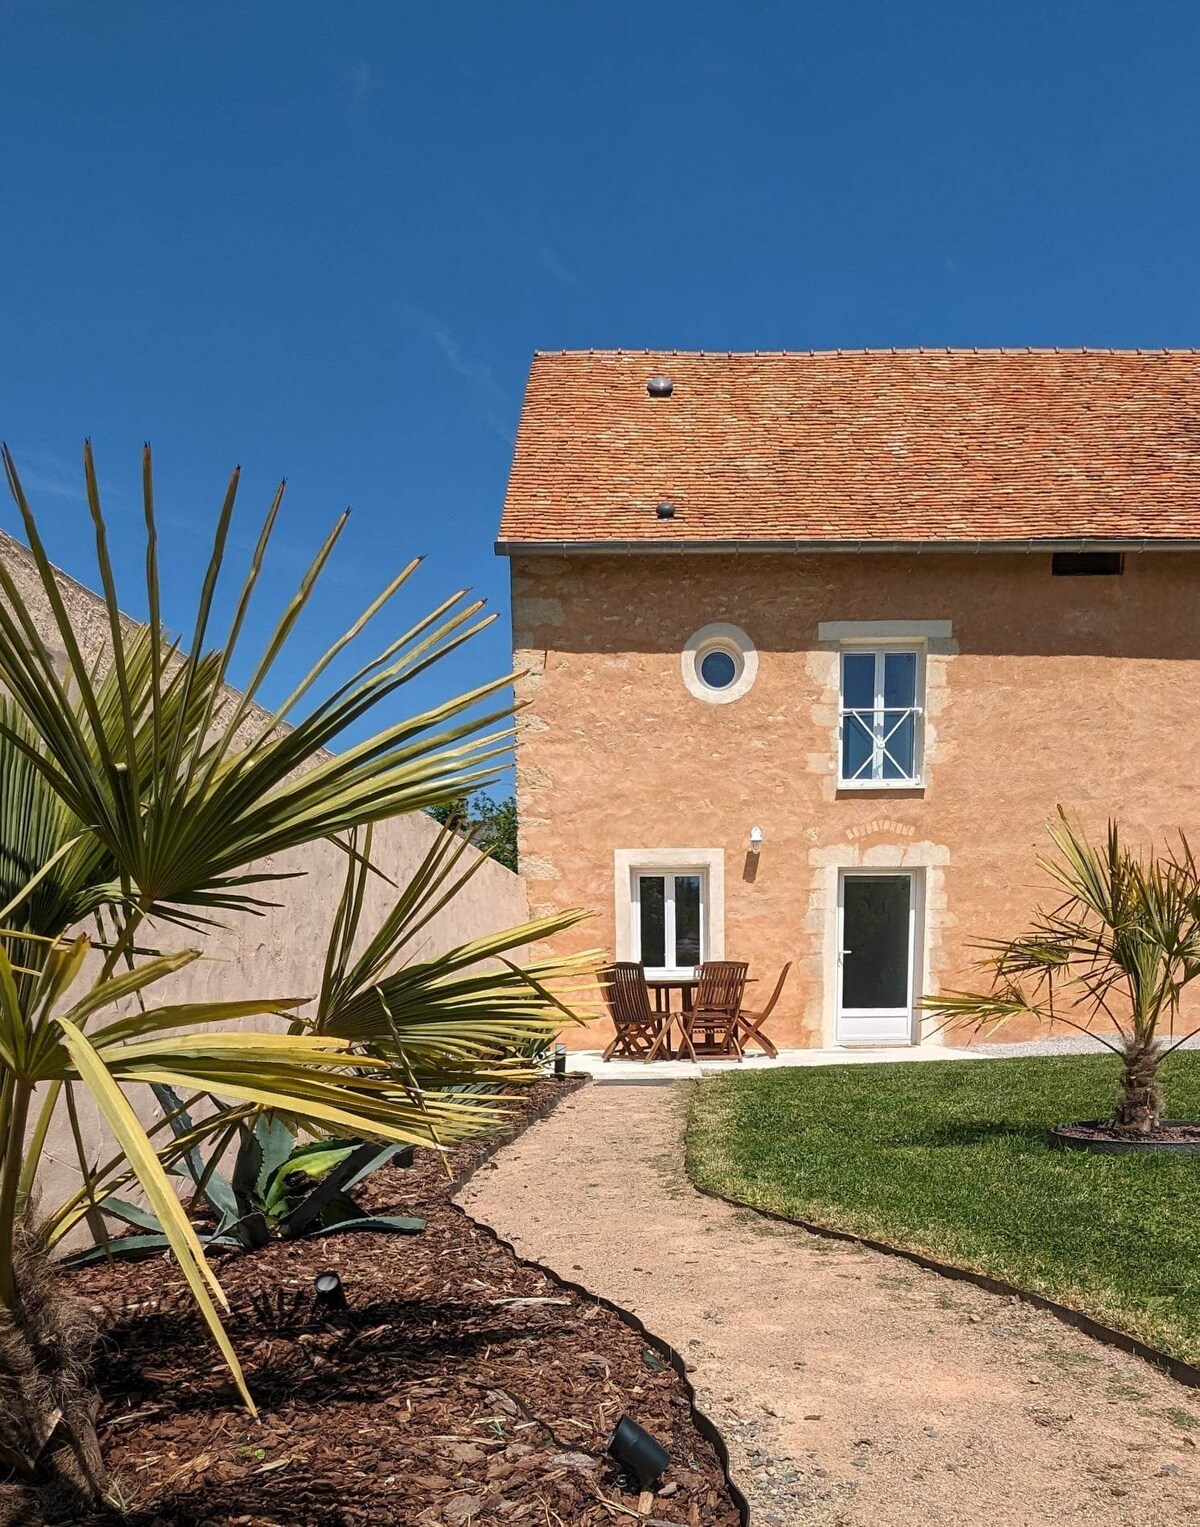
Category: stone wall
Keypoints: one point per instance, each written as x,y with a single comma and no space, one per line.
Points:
1047,690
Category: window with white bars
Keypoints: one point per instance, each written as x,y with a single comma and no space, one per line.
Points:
880,732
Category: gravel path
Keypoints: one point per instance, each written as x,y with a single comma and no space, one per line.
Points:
1062,1044
852,1388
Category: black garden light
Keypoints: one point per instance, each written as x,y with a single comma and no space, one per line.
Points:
329,1291
637,1452
560,1060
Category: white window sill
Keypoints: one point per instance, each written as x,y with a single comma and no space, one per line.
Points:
881,784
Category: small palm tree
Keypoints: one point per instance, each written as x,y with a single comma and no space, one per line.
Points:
1114,957
139,793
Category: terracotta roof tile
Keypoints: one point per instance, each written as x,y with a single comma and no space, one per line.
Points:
880,445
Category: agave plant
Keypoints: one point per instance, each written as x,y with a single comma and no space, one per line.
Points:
1113,959
278,1186
138,792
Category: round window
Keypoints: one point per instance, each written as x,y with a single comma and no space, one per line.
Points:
718,663
719,668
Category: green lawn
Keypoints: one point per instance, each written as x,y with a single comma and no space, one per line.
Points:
950,1158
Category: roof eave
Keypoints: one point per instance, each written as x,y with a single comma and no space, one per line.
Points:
509,548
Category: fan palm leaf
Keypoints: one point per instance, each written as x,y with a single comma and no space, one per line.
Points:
1114,957
185,787
138,789
441,1015
319,1077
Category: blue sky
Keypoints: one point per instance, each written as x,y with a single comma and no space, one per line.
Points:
322,241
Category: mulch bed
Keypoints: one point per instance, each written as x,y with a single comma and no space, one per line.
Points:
459,1387
1169,1132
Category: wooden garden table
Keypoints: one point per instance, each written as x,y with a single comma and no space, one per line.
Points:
661,988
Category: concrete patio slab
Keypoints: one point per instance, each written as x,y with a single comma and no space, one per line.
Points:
603,1071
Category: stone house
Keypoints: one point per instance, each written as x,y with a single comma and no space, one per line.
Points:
814,645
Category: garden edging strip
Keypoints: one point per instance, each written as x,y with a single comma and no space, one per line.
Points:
1184,1373
703,1423
1062,1139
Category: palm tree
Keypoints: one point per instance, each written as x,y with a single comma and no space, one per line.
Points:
1113,959
139,792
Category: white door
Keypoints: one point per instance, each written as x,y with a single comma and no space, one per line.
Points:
876,940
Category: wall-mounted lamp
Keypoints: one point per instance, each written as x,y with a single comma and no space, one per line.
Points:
756,839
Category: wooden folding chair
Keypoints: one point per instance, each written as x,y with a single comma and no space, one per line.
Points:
640,1030
714,1013
749,1025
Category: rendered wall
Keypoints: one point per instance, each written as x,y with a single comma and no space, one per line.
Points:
1051,689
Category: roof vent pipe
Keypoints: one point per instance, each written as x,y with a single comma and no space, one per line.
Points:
660,386
665,511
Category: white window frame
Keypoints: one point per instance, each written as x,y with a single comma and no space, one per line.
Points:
630,863
875,780
668,877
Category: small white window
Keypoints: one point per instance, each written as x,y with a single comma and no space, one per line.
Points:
880,733
669,913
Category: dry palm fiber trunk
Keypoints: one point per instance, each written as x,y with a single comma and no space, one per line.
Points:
48,1407
1139,1104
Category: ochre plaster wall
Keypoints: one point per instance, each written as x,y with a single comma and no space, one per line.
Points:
1051,689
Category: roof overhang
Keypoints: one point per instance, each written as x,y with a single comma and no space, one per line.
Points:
910,548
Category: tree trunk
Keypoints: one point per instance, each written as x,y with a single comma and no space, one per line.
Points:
1139,1107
